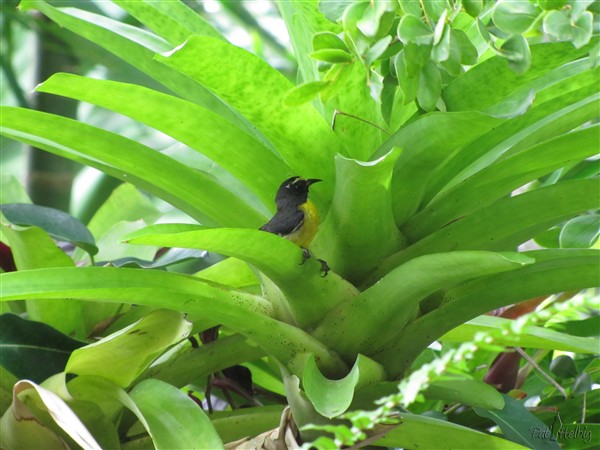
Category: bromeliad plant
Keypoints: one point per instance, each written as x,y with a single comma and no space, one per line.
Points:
420,220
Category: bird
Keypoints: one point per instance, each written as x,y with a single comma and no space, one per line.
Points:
296,218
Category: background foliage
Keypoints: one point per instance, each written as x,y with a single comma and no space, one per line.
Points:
457,142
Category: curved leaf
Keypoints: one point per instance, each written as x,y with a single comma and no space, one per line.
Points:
554,271
464,390
372,319
130,350
352,237
506,223
425,146
173,419
278,258
191,191
240,311
135,46
33,350
22,429
518,424
198,127
333,397
256,90
175,22
531,337
420,431
56,223
501,178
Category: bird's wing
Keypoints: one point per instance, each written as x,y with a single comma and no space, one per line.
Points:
284,223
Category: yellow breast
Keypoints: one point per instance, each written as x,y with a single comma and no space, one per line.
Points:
305,234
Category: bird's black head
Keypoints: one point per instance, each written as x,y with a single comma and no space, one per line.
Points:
293,191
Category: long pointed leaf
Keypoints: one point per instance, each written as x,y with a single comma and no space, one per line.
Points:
198,127
256,90
500,179
133,45
369,321
506,223
307,294
174,21
426,142
240,311
185,188
554,271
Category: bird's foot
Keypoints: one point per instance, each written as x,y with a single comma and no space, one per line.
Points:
324,266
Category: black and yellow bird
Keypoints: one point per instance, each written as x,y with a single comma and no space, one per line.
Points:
296,218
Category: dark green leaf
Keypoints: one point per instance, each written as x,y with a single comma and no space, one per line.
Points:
519,425
58,224
563,367
582,384
33,350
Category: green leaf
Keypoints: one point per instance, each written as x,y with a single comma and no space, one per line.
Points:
33,350
174,21
26,429
397,297
305,93
500,179
299,134
473,7
420,431
332,55
430,87
130,350
529,337
136,47
333,397
33,248
514,16
182,186
492,80
351,236
412,29
278,258
334,9
516,51
360,115
199,128
240,311
58,224
468,52
554,271
454,389
11,190
173,419
328,40
424,149
580,232
557,24
563,367
505,223
517,423
304,20
583,29
244,422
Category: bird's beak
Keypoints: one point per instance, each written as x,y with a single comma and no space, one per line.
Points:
312,181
